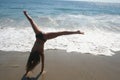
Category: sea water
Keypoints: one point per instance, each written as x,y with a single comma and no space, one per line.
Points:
99,21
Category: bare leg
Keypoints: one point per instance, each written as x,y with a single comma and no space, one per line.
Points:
34,25
56,34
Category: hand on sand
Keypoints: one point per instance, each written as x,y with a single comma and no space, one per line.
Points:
44,72
29,74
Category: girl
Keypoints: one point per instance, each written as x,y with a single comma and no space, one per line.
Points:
37,51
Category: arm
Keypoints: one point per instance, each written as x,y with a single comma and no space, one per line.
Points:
34,25
42,67
56,34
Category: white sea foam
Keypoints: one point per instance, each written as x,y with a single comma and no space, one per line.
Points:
97,43
101,37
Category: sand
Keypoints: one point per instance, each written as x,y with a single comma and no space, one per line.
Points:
60,65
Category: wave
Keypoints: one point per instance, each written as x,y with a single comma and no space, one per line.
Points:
101,37
102,22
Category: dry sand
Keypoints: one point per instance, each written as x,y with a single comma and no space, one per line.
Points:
60,65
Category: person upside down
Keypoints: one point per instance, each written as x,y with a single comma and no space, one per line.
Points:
37,51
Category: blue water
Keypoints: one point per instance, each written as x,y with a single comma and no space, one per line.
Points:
100,22
14,8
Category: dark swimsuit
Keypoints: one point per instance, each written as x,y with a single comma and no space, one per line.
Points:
40,36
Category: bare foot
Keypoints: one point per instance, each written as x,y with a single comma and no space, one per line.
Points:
79,32
82,33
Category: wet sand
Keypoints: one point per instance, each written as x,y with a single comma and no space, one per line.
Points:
60,65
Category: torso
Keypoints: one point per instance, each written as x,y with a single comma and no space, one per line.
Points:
38,46
39,43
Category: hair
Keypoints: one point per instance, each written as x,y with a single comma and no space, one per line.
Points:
33,60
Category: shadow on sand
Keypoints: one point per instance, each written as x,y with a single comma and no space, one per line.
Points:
32,78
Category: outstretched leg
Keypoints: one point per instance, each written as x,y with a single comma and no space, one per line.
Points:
34,25
56,34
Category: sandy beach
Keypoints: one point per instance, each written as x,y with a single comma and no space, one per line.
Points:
60,65
65,57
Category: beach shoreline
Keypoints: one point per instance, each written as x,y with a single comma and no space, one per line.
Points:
60,65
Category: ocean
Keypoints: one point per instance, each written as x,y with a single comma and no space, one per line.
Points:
99,21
